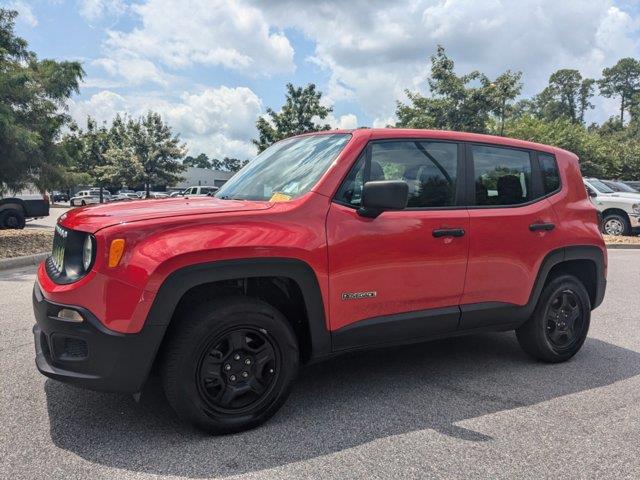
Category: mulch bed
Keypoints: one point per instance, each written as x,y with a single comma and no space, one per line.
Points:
610,239
16,243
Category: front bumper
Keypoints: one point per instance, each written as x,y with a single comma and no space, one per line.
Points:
89,355
634,219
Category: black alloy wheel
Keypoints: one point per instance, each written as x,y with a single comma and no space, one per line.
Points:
229,363
564,320
237,369
558,327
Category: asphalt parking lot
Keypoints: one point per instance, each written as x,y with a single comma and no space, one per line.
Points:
473,407
49,221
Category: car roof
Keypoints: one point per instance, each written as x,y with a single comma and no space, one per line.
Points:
447,135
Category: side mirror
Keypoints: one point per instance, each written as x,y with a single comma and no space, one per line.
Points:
383,195
592,193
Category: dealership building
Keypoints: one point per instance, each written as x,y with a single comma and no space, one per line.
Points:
194,176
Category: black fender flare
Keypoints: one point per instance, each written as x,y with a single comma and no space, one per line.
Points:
566,254
183,279
11,202
509,316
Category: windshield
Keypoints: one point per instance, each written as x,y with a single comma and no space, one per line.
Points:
285,170
599,186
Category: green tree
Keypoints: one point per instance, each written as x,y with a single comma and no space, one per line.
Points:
298,115
93,159
156,150
464,103
503,90
33,95
228,164
121,167
201,161
567,96
622,80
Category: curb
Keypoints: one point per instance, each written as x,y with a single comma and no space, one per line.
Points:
27,260
623,246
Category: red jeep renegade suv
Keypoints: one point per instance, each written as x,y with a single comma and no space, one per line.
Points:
324,243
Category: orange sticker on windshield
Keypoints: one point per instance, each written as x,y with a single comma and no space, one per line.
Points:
279,197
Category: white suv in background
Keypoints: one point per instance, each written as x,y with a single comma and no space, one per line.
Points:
620,211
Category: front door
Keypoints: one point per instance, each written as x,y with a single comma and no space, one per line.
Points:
399,276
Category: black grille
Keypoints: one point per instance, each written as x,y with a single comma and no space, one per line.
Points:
56,260
74,348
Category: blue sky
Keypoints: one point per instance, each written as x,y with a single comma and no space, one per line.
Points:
210,67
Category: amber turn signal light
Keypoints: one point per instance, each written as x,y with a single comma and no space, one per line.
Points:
115,252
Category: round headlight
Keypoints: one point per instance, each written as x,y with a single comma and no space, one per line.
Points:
87,252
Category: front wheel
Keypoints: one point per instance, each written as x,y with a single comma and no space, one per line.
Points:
229,364
559,324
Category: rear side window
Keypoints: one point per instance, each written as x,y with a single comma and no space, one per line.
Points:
549,172
502,175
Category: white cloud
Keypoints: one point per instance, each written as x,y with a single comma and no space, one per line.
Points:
343,122
25,13
136,71
198,32
94,10
218,121
374,50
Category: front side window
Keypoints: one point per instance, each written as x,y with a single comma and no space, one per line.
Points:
549,172
429,169
502,175
285,170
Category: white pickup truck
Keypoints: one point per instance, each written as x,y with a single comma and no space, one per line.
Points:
620,210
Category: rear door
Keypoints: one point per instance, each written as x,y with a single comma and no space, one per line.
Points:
399,276
511,229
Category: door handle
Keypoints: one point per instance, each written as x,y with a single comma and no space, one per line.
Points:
536,227
448,232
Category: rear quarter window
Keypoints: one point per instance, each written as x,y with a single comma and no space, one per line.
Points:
549,172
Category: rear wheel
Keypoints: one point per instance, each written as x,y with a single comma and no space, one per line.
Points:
559,325
12,218
616,224
229,364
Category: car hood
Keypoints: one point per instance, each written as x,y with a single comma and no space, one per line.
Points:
95,217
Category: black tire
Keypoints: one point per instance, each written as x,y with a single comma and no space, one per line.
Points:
552,334
12,218
83,203
616,224
201,348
